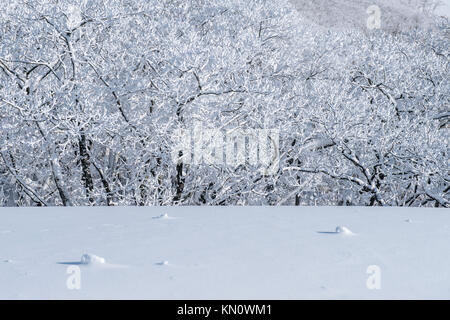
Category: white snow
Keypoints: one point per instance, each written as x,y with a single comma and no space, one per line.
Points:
88,258
344,230
163,216
224,253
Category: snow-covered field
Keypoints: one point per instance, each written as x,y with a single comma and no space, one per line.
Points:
224,253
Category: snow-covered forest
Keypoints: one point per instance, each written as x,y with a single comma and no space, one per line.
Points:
94,94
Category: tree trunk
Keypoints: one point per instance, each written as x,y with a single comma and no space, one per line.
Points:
86,168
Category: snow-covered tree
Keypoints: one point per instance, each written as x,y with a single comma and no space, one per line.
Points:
94,94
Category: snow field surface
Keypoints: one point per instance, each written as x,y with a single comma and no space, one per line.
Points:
224,253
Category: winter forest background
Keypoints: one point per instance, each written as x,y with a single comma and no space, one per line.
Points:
93,95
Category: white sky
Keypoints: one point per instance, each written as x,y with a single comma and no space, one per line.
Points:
444,9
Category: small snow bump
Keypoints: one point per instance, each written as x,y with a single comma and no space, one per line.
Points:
163,216
343,230
7,261
91,259
163,263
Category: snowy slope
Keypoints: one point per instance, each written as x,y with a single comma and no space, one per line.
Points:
226,252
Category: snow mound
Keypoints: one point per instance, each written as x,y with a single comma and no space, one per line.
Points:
91,259
344,230
163,263
163,216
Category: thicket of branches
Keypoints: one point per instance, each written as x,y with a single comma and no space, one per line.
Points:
91,94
